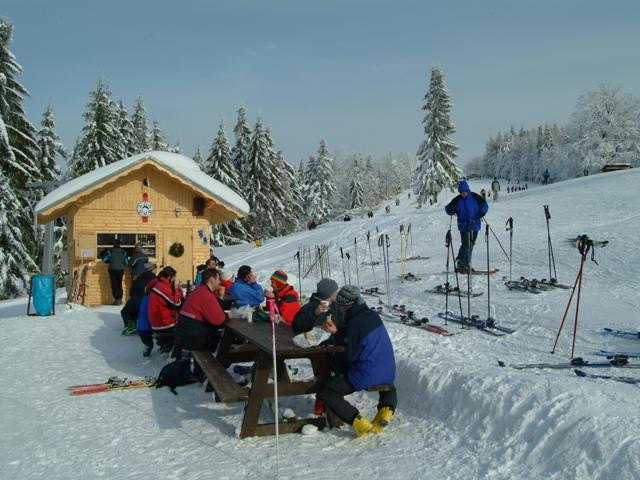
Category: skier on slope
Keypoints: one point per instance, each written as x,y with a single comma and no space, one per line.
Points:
469,207
495,188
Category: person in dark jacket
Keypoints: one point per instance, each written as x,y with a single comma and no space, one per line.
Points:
131,309
117,259
245,290
368,361
320,306
469,207
138,261
201,315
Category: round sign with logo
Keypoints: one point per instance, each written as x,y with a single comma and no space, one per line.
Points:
145,209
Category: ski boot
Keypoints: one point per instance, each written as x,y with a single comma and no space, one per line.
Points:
382,419
361,426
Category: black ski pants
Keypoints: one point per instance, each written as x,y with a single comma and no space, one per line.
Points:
116,283
337,387
468,240
146,338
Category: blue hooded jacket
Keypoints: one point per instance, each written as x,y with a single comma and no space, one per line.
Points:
469,210
246,293
368,348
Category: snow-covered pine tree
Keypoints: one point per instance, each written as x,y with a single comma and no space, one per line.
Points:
371,181
277,184
218,165
101,141
197,157
321,185
50,148
140,127
177,148
437,169
241,148
125,127
356,192
260,191
293,212
18,147
158,142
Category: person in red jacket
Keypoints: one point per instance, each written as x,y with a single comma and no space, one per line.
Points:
286,297
164,302
201,315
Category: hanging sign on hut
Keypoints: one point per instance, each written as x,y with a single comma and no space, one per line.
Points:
145,209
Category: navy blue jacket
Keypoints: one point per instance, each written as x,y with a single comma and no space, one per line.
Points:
116,257
246,293
368,348
469,210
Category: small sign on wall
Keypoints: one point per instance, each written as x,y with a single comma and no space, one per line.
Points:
203,237
86,253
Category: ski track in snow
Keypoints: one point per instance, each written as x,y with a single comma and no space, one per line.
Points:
460,416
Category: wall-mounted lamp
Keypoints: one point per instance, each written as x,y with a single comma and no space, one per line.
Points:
178,211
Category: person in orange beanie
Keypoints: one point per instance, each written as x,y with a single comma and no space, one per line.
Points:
286,297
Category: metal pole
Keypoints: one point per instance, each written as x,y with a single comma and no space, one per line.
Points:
355,248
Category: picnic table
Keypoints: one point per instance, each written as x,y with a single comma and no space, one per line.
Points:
259,349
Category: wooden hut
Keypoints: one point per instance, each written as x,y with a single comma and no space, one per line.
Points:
162,200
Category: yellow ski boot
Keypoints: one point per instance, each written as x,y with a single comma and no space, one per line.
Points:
382,419
361,426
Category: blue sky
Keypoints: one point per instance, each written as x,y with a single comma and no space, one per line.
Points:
352,72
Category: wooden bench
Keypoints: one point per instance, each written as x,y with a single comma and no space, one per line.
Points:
219,380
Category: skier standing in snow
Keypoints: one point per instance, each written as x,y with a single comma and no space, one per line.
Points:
483,193
495,188
368,360
469,207
117,259
545,177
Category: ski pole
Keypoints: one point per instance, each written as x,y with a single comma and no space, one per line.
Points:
552,259
486,236
344,275
403,254
297,255
497,239
510,230
470,251
274,316
355,248
348,266
447,242
373,270
453,256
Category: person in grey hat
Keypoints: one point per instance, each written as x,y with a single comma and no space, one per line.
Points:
139,261
368,360
320,309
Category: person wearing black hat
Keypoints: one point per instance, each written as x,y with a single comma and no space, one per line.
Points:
368,361
117,259
246,290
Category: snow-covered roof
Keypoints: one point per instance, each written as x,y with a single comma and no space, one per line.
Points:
181,166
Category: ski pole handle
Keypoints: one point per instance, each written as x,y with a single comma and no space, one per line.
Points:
509,224
381,240
546,212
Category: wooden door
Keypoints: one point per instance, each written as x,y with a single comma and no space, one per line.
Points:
184,263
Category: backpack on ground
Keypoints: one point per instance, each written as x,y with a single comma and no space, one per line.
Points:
175,374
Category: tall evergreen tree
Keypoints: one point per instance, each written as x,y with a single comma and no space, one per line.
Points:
356,192
101,142
140,127
219,166
437,169
261,192
125,127
321,185
293,212
18,165
243,138
157,142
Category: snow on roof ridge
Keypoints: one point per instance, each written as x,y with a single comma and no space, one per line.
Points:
181,165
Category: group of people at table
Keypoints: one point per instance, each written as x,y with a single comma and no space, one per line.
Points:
194,321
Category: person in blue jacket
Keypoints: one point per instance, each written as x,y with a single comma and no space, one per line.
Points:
368,360
469,207
245,290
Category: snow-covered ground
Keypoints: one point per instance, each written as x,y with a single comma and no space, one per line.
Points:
460,416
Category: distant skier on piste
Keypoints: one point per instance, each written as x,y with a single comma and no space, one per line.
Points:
469,207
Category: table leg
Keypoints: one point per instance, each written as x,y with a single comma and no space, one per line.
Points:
283,371
321,371
256,395
224,346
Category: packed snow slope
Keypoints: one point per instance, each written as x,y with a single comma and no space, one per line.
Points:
460,416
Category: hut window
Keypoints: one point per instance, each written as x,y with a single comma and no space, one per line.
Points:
145,181
128,242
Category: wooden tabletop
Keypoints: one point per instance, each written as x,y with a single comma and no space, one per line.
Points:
259,333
